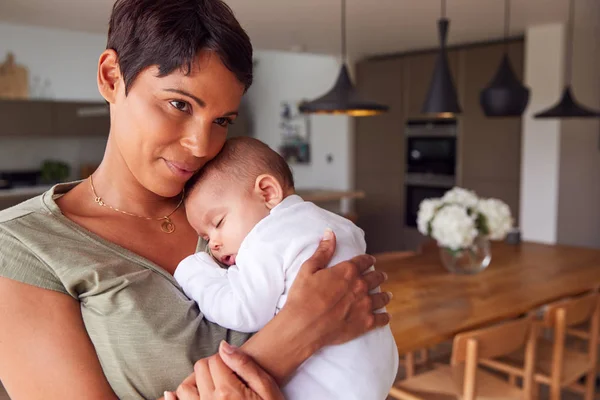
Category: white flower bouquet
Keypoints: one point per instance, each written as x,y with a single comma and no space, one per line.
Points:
458,218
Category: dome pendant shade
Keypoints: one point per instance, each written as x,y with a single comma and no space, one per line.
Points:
441,98
505,96
568,107
343,98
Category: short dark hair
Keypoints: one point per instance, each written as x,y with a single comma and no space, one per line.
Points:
245,159
171,33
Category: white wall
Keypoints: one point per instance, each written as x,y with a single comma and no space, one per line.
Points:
68,61
281,76
544,61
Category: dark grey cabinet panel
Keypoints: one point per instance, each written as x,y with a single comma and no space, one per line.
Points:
490,148
33,118
81,119
26,118
379,155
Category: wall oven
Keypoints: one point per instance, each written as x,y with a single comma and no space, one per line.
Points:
430,162
431,147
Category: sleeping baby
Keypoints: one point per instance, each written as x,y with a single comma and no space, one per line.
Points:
244,205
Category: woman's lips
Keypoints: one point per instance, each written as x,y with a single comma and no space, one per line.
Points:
181,170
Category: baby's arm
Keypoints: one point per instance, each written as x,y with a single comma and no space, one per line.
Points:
243,298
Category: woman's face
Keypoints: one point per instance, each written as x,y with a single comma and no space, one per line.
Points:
167,128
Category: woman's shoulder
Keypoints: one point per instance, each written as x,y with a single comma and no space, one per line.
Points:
34,243
20,227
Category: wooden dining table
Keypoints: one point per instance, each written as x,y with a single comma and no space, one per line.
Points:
431,305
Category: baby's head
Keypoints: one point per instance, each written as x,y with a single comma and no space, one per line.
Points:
234,191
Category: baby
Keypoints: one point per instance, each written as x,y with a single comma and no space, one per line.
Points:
243,204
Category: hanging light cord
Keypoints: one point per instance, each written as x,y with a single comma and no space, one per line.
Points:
443,9
343,31
506,24
570,39
506,19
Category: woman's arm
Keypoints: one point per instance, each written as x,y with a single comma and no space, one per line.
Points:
45,351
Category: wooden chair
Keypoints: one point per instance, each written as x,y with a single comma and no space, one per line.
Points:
559,365
463,379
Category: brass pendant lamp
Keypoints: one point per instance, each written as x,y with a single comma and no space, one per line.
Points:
343,98
568,106
441,100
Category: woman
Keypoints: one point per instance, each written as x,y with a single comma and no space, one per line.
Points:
88,304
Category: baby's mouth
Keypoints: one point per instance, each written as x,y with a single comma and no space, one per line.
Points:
228,260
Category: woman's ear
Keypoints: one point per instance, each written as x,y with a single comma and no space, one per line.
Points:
109,75
269,189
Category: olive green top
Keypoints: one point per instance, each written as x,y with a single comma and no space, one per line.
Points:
146,332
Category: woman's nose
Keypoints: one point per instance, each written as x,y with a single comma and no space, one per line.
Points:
197,139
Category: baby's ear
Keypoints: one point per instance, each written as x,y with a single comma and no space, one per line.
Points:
269,189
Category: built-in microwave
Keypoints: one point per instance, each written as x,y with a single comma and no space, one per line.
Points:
431,147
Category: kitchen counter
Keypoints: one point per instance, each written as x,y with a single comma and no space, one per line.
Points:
24,191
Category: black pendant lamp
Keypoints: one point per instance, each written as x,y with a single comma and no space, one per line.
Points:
505,96
343,97
568,107
441,99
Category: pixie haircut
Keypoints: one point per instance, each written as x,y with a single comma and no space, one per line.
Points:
242,160
171,33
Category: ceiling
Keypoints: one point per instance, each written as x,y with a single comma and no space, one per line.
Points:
374,26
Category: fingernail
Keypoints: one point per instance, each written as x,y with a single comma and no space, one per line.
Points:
227,348
328,235
385,276
373,260
390,295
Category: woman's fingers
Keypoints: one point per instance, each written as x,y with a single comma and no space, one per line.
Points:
203,379
169,396
381,319
187,391
363,262
255,377
380,300
321,258
374,279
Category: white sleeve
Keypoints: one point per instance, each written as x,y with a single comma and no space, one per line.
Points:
243,297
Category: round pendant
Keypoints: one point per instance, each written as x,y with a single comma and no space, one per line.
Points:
167,226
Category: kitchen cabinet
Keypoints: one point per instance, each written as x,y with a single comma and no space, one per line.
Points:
81,119
489,149
44,118
379,148
26,118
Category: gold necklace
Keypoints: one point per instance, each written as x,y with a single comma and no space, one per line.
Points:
167,225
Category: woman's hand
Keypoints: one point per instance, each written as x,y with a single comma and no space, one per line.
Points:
230,374
325,306
335,301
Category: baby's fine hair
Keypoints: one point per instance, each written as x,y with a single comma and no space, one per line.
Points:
244,159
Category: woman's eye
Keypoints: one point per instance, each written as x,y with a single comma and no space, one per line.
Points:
220,222
179,105
224,122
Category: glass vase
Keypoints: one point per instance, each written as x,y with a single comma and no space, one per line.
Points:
470,260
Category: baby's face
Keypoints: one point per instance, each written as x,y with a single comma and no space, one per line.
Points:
224,217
